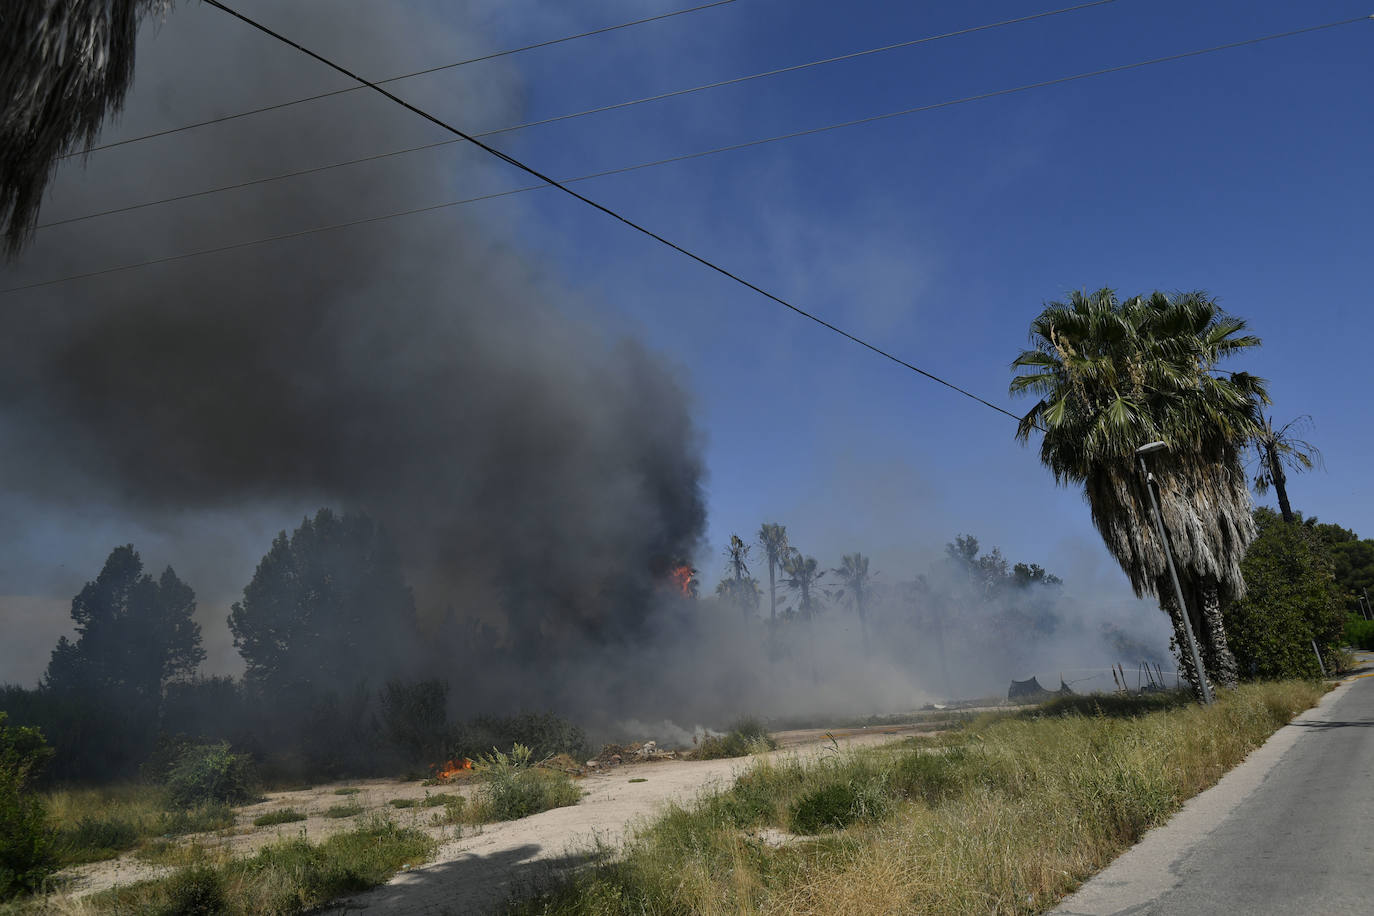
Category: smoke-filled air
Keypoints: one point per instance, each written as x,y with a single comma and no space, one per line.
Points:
477,483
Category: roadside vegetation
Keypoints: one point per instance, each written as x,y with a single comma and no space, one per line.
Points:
1006,815
746,736
286,877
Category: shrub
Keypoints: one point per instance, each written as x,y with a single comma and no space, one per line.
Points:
209,773
746,736
200,819
281,816
513,789
1359,632
837,805
348,810
544,734
25,846
194,891
96,838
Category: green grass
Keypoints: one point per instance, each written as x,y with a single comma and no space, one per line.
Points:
94,824
348,810
404,803
347,791
439,798
639,779
284,878
280,816
746,736
1005,816
511,788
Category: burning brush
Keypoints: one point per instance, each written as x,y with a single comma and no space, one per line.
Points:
451,769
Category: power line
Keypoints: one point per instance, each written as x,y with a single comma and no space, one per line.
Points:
620,170
567,117
404,76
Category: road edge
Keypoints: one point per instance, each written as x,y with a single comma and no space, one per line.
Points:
1144,872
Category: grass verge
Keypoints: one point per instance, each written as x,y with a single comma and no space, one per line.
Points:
1005,816
93,824
287,877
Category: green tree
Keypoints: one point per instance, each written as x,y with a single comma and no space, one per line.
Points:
1276,448
857,584
25,841
327,607
135,635
1291,600
63,68
1114,375
773,540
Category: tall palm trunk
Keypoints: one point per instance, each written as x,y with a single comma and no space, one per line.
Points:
772,588
1216,653
1179,644
1280,481
863,620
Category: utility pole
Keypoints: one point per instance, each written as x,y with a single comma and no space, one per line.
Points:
1140,454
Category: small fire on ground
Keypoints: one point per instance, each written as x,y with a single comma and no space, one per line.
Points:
451,769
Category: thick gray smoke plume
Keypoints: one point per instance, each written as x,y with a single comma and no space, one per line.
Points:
537,473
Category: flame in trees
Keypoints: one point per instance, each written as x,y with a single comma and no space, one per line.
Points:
684,579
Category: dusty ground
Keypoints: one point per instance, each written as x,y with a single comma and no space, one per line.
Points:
478,867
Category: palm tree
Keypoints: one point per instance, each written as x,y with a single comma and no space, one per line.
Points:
738,588
853,572
1114,375
63,68
773,540
803,575
1275,448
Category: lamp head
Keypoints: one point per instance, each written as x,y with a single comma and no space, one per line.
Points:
1149,447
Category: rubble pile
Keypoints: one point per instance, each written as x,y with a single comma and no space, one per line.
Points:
613,755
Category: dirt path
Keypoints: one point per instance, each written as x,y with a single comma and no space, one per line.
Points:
480,870
478,867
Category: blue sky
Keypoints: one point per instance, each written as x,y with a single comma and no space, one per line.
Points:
937,236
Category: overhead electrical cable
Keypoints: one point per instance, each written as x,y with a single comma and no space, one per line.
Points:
404,76
551,120
620,170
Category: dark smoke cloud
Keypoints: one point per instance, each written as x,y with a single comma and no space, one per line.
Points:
537,472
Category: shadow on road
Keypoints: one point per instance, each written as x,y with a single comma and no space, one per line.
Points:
1332,723
469,885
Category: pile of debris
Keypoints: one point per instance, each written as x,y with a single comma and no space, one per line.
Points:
613,755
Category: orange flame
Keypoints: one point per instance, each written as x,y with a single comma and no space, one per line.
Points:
684,577
451,769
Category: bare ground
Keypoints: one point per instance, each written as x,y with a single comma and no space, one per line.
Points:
477,868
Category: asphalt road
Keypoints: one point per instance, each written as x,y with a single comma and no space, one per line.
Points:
1291,830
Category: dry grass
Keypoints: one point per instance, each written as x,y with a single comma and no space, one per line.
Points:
1006,816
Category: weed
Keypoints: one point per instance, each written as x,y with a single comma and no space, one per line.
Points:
513,789
347,791
1006,816
287,877
404,803
348,810
439,798
639,779
93,839
746,736
280,816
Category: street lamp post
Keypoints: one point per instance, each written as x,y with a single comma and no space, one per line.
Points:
1140,454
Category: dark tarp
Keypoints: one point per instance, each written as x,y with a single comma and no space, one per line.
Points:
1020,690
